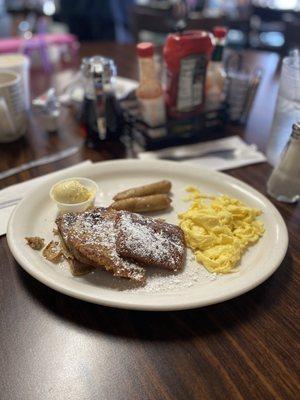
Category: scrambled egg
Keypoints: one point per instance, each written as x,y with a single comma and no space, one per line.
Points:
219,229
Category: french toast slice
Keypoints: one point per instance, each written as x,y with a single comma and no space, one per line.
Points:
77,267
91,238
150,242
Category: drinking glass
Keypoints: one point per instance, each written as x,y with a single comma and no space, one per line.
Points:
287,111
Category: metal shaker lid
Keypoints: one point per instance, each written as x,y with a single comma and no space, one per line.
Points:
296,130
102,67
296,126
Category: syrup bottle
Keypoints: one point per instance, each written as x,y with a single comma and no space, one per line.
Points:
101,117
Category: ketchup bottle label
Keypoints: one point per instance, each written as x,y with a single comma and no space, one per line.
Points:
191,82
186,55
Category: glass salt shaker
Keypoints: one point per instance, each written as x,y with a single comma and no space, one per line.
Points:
284,182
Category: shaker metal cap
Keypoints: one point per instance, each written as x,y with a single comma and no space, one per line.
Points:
99,66
296,127
296,130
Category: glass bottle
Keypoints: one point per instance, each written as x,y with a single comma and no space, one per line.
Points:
215,73
101,116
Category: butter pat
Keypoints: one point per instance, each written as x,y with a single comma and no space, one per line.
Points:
71,192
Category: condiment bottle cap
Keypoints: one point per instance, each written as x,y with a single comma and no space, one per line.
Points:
145,49
188,42
220,32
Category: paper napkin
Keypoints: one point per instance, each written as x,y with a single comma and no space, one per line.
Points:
19,190
206,155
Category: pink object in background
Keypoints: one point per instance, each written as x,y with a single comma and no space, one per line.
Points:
11,45
41,43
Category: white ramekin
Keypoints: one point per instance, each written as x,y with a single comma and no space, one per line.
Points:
77,207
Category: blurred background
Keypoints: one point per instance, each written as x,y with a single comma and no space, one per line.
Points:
79,67
257,24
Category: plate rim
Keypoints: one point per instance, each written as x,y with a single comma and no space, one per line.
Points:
156,307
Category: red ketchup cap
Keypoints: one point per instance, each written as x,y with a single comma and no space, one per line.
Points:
220,32
145,49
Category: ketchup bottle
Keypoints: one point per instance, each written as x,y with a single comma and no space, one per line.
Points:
186,56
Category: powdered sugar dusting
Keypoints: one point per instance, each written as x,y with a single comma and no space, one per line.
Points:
193,275
150,242
93,234
87,228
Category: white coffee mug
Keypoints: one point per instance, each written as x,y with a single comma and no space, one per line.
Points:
20,64
13,117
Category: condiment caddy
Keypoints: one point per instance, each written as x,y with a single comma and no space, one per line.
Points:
198,92
205,126
186,58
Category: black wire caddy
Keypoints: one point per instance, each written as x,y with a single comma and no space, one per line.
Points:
239,91
208,125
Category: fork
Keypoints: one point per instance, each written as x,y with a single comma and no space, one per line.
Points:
222,153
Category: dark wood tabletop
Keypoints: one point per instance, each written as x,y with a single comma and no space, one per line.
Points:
57,347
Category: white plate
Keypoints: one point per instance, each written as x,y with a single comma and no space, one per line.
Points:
194,287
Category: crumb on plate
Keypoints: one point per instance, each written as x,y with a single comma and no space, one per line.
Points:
53,252
35,242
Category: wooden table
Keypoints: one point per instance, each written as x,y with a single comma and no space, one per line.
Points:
56,347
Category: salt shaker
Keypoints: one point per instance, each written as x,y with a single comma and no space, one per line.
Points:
47,109
284,182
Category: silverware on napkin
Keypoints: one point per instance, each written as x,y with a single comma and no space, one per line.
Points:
222,153
41,161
